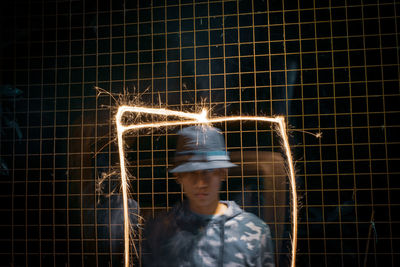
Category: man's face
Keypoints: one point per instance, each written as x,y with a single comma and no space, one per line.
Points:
202,189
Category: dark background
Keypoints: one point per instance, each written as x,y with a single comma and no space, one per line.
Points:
329,67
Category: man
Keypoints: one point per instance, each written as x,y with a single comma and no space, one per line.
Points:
205,231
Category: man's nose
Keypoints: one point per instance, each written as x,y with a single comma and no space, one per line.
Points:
201,180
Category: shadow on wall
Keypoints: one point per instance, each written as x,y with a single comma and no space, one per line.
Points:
265,193
100,198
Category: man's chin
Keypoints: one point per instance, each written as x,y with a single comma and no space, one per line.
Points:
201,197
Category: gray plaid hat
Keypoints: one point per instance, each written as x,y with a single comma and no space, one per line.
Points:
200,148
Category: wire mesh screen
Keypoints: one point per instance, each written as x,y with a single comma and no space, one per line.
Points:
331,68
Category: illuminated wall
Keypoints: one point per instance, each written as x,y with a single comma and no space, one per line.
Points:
330,67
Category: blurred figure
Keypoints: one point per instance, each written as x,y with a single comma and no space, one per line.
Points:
204,231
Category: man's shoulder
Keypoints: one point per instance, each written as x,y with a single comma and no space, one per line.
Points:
246,217
243,217
247,222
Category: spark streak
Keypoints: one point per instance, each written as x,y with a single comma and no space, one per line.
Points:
195,118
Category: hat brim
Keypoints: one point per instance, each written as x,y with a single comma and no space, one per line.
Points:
198,166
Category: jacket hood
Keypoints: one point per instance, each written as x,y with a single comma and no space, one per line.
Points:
232,211
188,220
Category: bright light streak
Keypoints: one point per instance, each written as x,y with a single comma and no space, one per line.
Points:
195,118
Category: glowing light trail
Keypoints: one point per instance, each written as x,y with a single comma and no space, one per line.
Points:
196,119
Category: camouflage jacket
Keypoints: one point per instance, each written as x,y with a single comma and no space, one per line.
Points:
183,238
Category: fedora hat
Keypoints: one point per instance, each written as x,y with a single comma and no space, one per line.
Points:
200,148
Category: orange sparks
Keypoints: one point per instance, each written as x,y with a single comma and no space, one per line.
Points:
197,118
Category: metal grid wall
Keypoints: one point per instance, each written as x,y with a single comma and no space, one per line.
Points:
330,67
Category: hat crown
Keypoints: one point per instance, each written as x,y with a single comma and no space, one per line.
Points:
199,139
